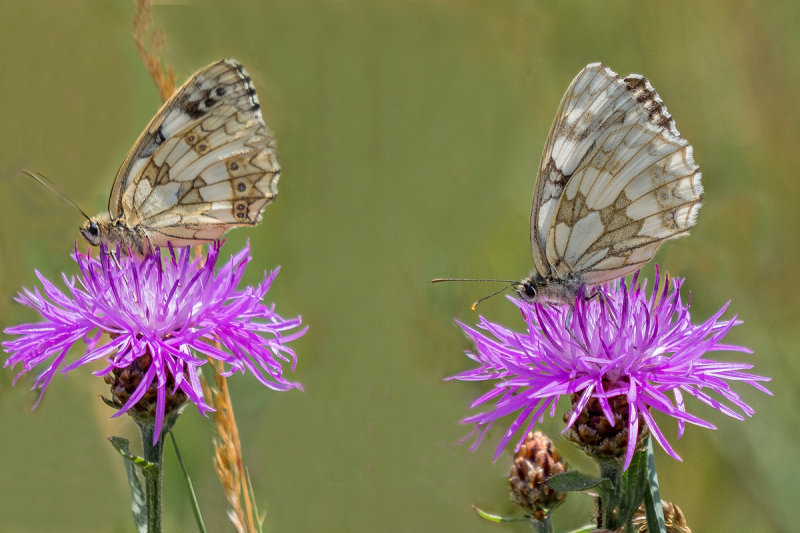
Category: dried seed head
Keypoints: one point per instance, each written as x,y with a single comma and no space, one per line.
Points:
125,381
535,461
673,519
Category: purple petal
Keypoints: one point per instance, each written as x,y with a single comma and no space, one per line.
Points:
630,341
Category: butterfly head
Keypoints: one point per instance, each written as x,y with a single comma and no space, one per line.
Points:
97,229
530,288
91,232
103,228
527,290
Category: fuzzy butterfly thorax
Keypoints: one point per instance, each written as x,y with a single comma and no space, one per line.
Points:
615,181
537,288
205,164
102,229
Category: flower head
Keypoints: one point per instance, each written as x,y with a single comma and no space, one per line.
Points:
535,462
623,349
160,313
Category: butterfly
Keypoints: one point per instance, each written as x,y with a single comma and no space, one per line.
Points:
615,181
205,164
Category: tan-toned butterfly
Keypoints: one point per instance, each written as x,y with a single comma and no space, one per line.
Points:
204,164
615,181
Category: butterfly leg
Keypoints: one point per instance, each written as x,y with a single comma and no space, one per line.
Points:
110,253
115,259
600,295
567,322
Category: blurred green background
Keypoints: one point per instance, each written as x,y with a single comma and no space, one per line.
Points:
410,134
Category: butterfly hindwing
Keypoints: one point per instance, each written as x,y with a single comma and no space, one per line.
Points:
204,164
615,181
637,188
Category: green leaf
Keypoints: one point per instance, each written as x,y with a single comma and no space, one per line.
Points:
497,518
575,481
652,496
123,447
138,506
632,487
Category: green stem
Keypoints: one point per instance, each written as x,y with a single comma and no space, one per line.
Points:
542,526
152,454
612,471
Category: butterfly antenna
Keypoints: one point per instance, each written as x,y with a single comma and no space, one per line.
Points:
52,188
438,280
511,284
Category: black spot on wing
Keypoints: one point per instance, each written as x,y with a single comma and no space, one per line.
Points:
193,109
199,107
156,140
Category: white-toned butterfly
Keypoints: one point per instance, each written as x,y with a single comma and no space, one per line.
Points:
615,181
204,164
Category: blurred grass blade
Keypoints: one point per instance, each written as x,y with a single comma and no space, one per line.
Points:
588,528
198,517
258,518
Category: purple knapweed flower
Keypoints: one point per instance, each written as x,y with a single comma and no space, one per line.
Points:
622,343
165,309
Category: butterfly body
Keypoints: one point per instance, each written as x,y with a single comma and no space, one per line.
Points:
103,229
537,288
204,165
615,181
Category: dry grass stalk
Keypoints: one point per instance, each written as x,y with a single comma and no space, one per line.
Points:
228,455
227,448
149,43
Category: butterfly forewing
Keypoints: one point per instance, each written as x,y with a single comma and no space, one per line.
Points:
573,133
616,179
204,164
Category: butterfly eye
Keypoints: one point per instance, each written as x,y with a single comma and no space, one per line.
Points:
528,291
91,232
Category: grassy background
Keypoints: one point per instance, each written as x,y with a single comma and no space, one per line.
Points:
410,133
